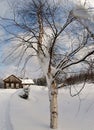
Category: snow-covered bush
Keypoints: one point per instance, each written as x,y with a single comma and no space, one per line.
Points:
25,93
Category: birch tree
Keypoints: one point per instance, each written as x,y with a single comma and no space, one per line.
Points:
57,37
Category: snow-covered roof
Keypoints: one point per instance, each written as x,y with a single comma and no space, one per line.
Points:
27,81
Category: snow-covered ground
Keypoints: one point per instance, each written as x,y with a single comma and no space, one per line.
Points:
5,98
75,113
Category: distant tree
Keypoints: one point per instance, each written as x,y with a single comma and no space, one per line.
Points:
90,63
1,83
59,37
40,81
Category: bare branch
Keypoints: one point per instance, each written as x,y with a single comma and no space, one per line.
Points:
78,92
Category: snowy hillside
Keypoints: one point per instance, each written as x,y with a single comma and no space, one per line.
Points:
75,113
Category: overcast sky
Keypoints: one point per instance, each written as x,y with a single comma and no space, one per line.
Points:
7,69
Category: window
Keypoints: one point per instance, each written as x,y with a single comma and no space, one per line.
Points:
12,85
7,85
17,85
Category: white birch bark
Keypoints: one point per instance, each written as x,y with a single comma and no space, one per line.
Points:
53,93
53,107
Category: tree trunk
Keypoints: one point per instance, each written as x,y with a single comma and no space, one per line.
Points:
53,107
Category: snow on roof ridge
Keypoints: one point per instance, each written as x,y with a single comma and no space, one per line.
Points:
27,81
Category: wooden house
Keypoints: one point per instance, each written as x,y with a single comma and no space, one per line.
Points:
12,82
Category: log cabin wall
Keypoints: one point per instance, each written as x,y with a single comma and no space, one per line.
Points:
12,82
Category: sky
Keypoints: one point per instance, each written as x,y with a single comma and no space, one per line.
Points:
5,68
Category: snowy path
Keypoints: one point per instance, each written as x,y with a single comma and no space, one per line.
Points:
5,96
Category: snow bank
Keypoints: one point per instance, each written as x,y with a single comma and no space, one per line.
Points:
33,114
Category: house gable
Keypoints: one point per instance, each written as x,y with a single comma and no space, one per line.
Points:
12,78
